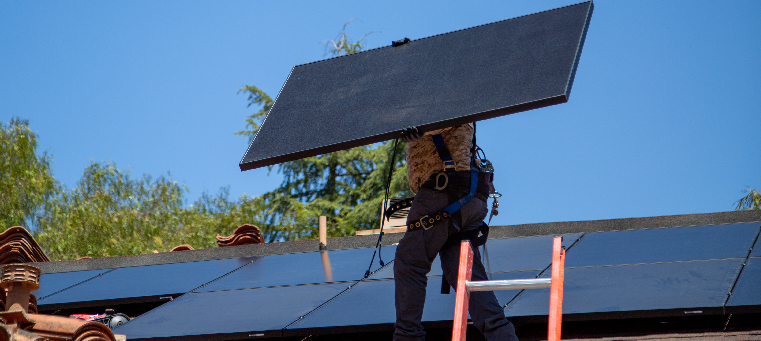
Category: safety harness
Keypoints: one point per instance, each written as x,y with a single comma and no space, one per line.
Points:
481,171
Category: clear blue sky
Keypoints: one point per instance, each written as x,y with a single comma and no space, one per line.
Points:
663,119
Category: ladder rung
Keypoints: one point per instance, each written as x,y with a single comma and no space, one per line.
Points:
513,284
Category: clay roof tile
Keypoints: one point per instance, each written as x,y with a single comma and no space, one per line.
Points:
244,234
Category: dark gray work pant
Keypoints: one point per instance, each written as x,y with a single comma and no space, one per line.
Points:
416,252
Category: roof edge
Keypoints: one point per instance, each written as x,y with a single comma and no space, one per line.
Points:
353,242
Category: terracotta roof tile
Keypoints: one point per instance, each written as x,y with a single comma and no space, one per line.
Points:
183,247
22,323
18,246
244,234
38,327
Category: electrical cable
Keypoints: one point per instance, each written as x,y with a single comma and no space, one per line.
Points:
379,243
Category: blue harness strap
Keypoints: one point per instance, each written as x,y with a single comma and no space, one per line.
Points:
443,151
446,157
455,206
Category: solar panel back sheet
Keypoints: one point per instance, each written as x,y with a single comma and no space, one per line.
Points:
436,82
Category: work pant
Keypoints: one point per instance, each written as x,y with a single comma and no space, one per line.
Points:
416,252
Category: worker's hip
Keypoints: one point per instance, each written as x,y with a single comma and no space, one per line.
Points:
457,184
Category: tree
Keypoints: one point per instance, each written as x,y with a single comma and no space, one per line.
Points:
346,186
109,213
26,181
751,201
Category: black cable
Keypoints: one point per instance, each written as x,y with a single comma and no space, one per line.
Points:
379,243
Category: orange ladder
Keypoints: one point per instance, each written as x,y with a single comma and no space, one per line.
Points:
465,286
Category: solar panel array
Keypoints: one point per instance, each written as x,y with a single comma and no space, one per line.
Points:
637,273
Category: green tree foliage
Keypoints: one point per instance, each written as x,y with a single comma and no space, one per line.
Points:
26,181
751,201
109,213
346,186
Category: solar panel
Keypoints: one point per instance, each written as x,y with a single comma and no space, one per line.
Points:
524,253
53,283
371,303
367,303
663,245
244,313
388,271
679,288
756,252
463,76
301,268
747,292
144,283
504,255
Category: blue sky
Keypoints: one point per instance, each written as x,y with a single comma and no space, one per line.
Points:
663,118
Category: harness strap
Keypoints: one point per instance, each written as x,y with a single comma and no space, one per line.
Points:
443,151
459,203
399,205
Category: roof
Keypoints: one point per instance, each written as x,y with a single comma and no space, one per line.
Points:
318,293
367,241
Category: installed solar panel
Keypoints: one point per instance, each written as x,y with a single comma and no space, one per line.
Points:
251,312
436,82
52,283
747,292
504,255
756,252
372,303
525,253
367,303
301,268
145,283
388,271
663,245
675,288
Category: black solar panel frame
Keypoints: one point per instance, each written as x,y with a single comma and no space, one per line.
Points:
286,133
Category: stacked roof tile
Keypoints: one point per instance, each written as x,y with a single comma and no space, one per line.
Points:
18,246
244,234
20,323
29,326
183,247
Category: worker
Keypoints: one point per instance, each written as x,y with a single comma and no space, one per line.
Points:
439,181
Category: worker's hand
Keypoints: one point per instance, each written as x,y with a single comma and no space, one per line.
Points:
411,134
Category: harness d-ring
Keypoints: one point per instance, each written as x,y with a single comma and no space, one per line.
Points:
446,181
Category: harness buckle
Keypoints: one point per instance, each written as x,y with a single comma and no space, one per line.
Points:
449,164
446,181
422,222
